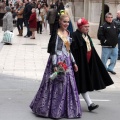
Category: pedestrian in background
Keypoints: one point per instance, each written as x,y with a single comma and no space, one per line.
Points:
27,13
60,6
92,74
19,12
39,19
108,36
51,16
8,22
2,10
117,22
72,26
45,14
33,23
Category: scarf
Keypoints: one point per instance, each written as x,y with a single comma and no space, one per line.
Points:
87,42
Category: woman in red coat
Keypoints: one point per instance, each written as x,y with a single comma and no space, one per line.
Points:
33,23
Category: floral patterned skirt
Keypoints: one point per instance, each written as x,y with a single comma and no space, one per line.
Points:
57,98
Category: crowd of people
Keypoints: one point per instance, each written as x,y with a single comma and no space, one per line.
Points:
59,98
31,14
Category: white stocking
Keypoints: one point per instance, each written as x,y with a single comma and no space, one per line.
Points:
87,98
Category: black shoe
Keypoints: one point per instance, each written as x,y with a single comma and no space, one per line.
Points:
26,36
112,72
7,43
10,43
118,58
92,107
32,38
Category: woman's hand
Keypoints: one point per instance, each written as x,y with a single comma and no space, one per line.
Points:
75,68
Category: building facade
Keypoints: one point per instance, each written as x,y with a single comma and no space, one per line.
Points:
91,10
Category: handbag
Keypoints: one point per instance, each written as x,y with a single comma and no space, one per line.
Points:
7,37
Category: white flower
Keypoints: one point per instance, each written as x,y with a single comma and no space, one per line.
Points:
79,21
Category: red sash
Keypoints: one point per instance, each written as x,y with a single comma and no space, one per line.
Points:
89,55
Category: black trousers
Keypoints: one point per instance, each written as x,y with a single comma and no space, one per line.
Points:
29,33
1,16
39,26
20,23
51,28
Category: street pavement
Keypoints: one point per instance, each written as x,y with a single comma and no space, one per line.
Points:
21,69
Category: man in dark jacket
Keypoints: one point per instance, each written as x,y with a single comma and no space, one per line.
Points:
51,15
117,22
91,74
108,36
27,13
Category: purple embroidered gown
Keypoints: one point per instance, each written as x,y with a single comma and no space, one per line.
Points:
57,98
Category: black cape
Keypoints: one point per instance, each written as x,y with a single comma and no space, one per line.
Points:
90,76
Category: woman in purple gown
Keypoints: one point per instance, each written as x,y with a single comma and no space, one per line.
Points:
58,98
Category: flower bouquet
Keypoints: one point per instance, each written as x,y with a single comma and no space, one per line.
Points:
61,68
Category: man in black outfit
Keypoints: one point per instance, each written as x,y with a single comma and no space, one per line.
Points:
108,36
27,13
91,74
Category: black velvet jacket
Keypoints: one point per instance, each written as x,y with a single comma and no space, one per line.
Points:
90,76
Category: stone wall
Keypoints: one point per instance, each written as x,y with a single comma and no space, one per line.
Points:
91,9
78,9
94,8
